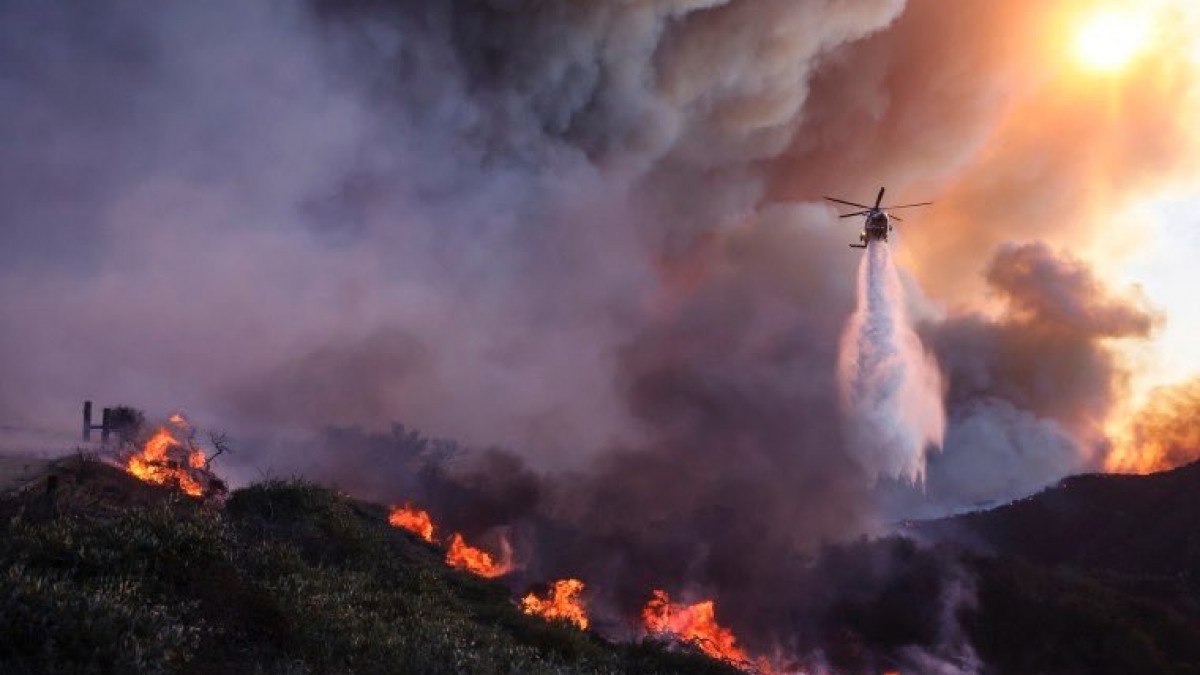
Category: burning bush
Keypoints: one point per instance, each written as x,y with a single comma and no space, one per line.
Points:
165,459
464,556
412,519
697,624
561,604
460,554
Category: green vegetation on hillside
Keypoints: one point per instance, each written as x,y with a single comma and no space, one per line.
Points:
103,574
1033,619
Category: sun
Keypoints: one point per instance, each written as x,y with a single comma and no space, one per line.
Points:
1108,40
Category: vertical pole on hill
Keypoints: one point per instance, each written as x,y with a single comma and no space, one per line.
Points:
87,421
105,424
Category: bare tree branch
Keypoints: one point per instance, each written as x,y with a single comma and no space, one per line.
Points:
220,442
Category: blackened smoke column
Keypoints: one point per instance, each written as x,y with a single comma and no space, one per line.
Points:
890,387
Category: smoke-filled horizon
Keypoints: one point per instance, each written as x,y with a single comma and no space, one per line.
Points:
585,239
291,216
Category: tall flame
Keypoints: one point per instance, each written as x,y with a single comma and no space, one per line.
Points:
153,463
478,561
698,625
562,603
412,519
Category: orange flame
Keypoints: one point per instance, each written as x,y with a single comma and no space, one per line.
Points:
153,464
698,625
563,603
414,520
197,459
464,556
1162,435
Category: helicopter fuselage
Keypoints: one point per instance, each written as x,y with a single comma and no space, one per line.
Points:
876,228
878,223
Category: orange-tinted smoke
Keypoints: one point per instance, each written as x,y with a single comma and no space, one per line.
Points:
412,519
1163,434
562,603
697,624
477,561
986,110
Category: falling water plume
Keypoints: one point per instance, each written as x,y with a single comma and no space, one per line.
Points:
891,389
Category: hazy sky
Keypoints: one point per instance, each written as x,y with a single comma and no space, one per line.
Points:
499,221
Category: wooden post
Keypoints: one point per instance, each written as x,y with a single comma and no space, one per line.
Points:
105,424
87,421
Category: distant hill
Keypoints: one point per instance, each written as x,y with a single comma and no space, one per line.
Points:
1129,525
1098,574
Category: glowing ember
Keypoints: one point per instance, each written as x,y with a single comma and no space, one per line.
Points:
154,464
412,519
466,557
563,603
698,625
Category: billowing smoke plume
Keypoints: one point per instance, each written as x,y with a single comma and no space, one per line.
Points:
1014,144
1031,385
890,387
467,216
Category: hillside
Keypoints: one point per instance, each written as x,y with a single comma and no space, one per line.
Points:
1097,574
106,574
1137,526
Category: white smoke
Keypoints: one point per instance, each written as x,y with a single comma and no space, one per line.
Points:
891,389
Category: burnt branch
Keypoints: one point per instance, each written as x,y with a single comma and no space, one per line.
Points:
220,443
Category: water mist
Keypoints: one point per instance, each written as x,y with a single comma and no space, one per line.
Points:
890,387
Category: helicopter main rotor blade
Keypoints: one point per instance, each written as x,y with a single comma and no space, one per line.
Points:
879,198
906,206
895,218
857,213
843,201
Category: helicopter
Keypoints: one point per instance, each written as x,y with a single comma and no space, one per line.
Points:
878,222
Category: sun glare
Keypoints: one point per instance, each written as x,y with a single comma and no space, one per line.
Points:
1108,40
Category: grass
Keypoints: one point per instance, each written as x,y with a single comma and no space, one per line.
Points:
100,573
104,575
